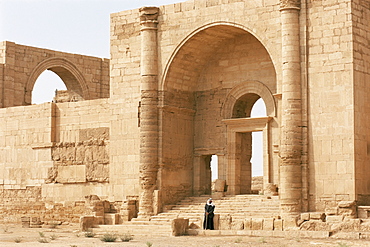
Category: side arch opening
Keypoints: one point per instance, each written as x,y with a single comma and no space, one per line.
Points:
46,87
248,112
72,78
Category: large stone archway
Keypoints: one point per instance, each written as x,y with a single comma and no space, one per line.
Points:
193,53
210,64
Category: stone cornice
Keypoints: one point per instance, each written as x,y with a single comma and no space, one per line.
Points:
290,4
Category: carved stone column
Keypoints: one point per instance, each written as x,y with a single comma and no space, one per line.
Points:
291,123
148,110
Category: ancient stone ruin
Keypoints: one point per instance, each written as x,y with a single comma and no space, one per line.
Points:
132,137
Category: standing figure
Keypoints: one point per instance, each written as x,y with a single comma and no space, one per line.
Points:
208,215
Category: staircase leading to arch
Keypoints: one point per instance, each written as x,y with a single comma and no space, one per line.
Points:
239,207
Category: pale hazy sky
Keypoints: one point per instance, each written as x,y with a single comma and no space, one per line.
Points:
75,26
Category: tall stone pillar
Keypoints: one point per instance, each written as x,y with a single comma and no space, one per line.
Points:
291,122
149,110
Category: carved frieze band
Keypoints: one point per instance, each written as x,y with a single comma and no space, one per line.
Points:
290,4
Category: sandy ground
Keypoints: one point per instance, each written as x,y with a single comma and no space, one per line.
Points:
69,236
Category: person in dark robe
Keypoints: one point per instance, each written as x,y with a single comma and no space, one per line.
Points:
208,215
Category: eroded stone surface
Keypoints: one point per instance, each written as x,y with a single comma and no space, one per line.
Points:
182,90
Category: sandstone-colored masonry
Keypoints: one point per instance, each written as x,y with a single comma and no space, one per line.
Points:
139,130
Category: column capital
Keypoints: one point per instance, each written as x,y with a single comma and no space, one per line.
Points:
290,4
149,16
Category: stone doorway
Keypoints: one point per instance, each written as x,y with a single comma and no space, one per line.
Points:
247,163
239,146
240,125
206,170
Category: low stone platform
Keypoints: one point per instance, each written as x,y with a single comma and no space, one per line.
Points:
263,233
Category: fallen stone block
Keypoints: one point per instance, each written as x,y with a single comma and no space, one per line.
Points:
347,208
225,222
257,224
179,226
111,219
334,218
278,224
268,224
219,185
305,216
248,224
238,225
87,222
317,216
25,221
290,223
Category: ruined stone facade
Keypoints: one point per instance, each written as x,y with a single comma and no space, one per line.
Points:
180,86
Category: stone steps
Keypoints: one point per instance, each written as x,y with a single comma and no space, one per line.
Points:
238,207
191,213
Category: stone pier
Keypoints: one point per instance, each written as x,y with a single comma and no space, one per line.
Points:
148,110
291,121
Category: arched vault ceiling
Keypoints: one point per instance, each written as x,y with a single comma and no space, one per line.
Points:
192,57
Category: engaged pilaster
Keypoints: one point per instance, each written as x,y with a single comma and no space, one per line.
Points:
291,134
148,110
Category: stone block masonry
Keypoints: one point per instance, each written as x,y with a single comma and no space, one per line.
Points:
180,88
86,76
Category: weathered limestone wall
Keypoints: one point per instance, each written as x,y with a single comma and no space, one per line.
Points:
331,104
28,202
25,141
361,59
80,153
207,50
55,154
125,102
2,68
228,54
85,75
177,151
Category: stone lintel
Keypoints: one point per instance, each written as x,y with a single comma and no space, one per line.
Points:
255,123
198,151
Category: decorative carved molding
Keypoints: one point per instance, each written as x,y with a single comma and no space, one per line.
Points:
290,4
149,14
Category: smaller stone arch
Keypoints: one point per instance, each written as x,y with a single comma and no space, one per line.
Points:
249,87
66,70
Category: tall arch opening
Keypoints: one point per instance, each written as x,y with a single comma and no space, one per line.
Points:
72,78
46,86
257,160
214,166
200,75
250,145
